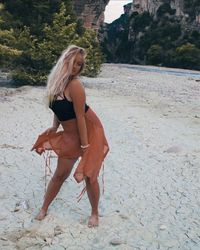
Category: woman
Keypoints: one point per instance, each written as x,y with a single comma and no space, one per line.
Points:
82,134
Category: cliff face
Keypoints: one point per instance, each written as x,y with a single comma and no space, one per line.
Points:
182,7
91,12
156,32
152,6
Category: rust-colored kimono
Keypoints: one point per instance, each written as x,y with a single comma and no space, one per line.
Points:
67,145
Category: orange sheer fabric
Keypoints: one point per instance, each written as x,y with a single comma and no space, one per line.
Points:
66,144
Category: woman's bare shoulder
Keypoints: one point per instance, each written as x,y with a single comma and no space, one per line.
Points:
75,83
76,89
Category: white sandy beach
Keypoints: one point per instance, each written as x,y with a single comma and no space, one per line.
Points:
152,172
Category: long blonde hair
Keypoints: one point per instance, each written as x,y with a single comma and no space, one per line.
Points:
59,77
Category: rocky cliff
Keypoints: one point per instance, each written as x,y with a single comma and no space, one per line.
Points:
158,32
91,12
183,8
152,6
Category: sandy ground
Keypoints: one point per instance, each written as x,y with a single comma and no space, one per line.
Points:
152,173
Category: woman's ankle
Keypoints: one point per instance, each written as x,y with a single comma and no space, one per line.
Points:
44,209
41,215
95,212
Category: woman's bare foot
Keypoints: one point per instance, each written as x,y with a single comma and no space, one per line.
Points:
93,221
41,215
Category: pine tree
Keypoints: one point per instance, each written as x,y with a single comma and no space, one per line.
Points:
33,13
95,58
39,54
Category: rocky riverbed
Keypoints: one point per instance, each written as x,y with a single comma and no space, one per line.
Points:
151,174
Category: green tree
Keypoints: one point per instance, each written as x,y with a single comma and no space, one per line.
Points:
25,69
155,54
41,53
95,58
188,56
139,22
8,52
33,13
192,7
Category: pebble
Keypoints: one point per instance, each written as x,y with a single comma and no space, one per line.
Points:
58,230
116,242
124,217
24,204
173,149
163,227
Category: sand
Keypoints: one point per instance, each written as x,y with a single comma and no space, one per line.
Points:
152,172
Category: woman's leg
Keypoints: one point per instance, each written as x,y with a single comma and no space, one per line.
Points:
63,170
93,195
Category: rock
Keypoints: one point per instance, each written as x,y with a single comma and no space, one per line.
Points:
17,207
117,242
24,204
124,217
58,230
163,227
3,238
144,5
173,149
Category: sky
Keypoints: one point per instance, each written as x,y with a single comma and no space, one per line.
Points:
114,9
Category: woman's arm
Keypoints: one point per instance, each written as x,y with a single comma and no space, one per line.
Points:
77,94
54,127
56,122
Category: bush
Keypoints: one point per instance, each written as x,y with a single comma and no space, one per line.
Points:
155,54
188,56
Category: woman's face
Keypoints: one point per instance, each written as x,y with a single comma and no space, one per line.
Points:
78,63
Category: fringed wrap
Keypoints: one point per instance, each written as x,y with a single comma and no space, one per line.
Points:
66,144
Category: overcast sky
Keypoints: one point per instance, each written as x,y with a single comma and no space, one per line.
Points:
114,9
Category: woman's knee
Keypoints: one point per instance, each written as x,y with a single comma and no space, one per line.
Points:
90,181
64,168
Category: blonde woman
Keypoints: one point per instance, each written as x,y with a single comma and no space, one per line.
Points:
82,134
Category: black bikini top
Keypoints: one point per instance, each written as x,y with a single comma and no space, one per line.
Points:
64,109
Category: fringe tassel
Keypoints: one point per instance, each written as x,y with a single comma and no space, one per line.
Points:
47,169
82,193
85,189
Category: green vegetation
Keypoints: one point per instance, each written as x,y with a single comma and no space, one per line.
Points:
155,54
192,7
165,9
188,56
140,22
117,31
31,41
